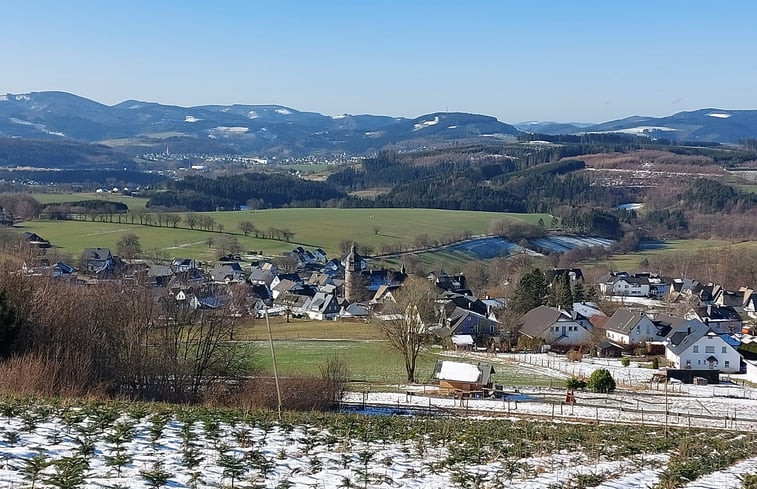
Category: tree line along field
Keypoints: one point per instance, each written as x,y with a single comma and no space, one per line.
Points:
53,198
326,228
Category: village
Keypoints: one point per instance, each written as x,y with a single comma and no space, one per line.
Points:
694,331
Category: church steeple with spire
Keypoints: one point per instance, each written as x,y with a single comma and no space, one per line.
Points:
352,270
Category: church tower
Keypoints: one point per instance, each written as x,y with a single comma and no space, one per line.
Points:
352,275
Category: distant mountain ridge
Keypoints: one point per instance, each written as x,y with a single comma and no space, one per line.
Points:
238,128
137,126
710,125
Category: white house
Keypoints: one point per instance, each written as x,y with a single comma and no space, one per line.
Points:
751,371
556,326
629,327
625,285
694,346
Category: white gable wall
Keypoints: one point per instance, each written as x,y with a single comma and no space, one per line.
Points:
568,333
643,332
695,357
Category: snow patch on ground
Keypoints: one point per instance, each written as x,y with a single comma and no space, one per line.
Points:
631,206
283,111
451,127
719,115
725,478
190,118
252,114
22,97
424,124
340,116
3,98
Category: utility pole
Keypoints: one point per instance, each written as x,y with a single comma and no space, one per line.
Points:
273,359
666,407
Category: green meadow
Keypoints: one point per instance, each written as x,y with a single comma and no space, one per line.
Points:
325,228
376,362
631,261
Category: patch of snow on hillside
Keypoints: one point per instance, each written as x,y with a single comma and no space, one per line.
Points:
340,116
283,111
3,98
23,123
451,127
252,114
719,115
425,124
190,118
644,129
372,134
22,97
230,130
631,206
135,106
39,127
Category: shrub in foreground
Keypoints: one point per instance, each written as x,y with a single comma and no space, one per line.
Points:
601,381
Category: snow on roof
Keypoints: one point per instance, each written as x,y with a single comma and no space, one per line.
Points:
462,339
461,372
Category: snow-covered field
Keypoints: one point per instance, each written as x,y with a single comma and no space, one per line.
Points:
136,446
561,244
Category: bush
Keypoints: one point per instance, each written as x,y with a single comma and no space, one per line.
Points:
298,393
336,373
601,381
575,383
749,481
625,361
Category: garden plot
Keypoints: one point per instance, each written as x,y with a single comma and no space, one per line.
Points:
146,446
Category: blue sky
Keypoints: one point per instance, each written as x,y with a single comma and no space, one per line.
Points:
537,60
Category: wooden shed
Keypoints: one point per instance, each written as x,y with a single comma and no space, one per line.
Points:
466,378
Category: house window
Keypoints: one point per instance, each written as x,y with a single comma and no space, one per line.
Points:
723,350
709,349
696,349
727,364
688,363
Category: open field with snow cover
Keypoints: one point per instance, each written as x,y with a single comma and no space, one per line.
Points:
139,445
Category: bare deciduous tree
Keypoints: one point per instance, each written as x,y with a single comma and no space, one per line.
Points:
405,323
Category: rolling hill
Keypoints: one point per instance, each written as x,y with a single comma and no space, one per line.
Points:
266,129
